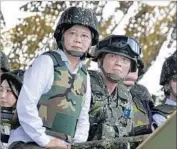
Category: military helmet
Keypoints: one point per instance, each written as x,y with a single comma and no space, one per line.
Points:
15,77
81,16
122,45
4,62
169,69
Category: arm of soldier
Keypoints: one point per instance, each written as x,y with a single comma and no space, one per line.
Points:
83,124
37,80
159,119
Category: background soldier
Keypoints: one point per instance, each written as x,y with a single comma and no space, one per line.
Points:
168,79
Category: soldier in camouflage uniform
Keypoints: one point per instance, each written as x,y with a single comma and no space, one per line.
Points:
53,113
4,63
111,113
168,79
143,120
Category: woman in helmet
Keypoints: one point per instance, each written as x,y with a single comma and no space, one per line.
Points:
111,105
168,80
55,98
11,83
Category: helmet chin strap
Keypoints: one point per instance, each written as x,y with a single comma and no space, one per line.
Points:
75,53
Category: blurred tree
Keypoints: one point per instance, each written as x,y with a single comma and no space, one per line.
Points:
2,24
34,35
151,26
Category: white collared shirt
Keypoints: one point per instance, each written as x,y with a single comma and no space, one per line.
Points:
159,119
38,80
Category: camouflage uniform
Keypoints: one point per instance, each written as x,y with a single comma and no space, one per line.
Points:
108,117
140,114
143,104
142,109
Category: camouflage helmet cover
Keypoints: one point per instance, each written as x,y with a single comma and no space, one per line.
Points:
122,45
169,69
80,16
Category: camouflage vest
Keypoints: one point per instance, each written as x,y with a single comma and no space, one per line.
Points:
60,107
143,121
141,99
110,115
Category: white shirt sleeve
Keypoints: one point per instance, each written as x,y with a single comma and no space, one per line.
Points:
83,125
38,80
159,119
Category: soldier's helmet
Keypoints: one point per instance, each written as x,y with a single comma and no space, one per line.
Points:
4,62
169,69
15,77
78,16
122,45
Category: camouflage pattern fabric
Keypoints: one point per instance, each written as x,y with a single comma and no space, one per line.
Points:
78,16
61,106
142,103
110,116
169,69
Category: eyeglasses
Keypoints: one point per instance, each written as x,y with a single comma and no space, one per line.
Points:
122,42
75,34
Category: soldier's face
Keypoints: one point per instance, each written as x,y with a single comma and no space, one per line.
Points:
77,38
7,98
173,84
117,64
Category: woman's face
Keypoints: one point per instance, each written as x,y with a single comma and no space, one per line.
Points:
7,98
173,84
77,38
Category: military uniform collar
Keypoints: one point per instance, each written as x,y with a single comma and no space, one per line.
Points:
123,91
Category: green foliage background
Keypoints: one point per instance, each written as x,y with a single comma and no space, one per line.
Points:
34,34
